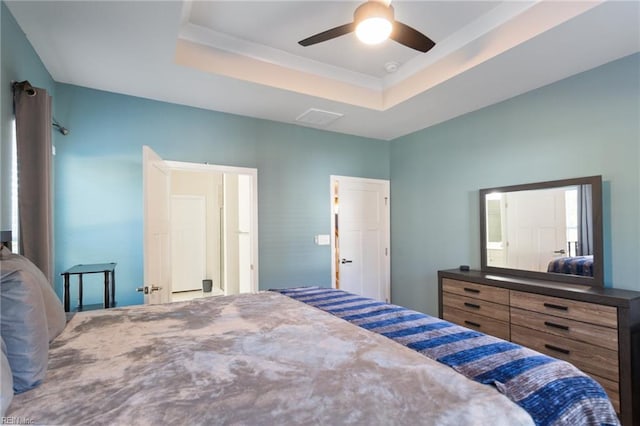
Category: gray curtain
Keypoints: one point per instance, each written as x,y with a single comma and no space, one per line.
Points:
585,221
33,136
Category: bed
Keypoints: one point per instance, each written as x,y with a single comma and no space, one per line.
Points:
297,356
574,265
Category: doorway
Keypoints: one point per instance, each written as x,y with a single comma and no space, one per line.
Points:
188,242
211,230
360,238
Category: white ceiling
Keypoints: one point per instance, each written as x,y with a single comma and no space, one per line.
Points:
242,57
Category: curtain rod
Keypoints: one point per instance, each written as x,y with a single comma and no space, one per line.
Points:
30,91
24,85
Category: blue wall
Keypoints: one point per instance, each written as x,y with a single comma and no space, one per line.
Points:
585,125
98,214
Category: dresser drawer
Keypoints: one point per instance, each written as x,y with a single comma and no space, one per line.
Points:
570,329
606,316
477,322
476,306
477,291
591,359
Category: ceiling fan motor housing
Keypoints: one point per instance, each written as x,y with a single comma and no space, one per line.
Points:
373,22
373,9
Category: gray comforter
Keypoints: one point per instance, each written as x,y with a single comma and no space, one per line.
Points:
258,359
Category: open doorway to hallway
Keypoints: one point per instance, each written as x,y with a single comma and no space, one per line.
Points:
209,244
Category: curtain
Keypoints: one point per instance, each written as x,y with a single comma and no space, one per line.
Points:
585,221
33,143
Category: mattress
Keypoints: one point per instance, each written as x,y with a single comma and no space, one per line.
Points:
552,391
248,359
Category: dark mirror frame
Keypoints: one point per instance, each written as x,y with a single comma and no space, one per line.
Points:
598,258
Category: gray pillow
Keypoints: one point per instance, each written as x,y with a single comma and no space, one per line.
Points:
6,380
23,326
54,311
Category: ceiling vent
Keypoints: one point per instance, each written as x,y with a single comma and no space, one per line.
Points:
318,117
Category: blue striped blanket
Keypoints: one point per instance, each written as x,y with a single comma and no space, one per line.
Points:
552,391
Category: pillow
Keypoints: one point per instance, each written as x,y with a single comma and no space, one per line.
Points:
23,325
54,311
6,380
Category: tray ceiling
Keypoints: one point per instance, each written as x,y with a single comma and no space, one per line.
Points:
242,57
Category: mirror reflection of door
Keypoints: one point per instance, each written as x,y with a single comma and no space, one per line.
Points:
536,228
528,229
212,230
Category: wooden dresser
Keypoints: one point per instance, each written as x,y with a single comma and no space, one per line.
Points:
596,329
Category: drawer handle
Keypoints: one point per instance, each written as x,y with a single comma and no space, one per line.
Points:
471,323
557,349
471,305
558,307
471,290
554,325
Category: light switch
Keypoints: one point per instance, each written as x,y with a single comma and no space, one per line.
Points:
323,240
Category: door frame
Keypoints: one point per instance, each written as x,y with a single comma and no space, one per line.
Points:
387,225
205,167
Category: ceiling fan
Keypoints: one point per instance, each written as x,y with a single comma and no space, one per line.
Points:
373,23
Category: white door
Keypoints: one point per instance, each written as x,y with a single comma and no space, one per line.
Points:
157,260
360,238
536,228
188,242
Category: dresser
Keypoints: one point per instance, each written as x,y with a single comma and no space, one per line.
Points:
596,329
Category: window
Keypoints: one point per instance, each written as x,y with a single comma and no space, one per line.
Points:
14,188
571,211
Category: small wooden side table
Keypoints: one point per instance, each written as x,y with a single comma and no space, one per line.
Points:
109,269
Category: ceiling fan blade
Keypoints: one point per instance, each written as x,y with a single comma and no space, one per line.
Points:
328,35
410,37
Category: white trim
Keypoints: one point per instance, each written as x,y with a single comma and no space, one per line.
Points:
186,166
288,61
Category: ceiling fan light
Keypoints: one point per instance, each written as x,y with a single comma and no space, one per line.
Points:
373,30
374,21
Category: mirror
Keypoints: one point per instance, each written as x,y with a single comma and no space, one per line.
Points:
547,230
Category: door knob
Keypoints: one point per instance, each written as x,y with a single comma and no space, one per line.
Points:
561,251
346,261
147,290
